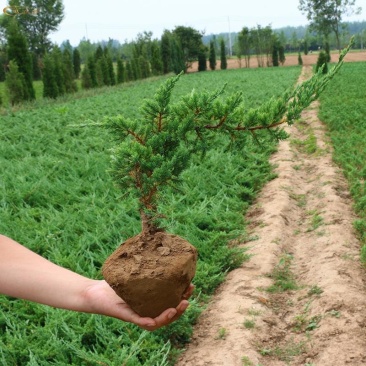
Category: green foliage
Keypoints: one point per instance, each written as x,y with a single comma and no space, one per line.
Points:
281,54
17,49
129,71
326,16
212,57
68,72
245,41
76,60
166,51
154,150
223,65
91,65
299,59
202,60
282,276
15,84
190,41
110,68
327,51
321,63
56,198
343,110
36,67
121,71
156,62
86,79
50,88
275,55
38,28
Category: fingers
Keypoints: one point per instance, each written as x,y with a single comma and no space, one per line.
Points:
189,291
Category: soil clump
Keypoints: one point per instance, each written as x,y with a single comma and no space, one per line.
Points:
151,271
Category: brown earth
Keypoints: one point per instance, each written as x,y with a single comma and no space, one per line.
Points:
291,60
302,221
151,271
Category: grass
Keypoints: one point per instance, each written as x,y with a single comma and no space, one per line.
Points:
56,197
222,333
249,323
282,276
285,352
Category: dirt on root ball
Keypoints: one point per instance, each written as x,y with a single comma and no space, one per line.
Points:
151,271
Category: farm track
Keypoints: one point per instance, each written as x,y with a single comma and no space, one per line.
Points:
303,224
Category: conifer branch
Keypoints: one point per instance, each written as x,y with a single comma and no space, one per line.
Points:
153,151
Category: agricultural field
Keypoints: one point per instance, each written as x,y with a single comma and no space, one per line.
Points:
58,199
343,109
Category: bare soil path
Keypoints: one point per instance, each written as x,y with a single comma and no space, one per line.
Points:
305,242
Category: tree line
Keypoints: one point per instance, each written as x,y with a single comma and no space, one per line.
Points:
27,54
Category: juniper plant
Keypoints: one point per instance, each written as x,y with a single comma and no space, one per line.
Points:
154,150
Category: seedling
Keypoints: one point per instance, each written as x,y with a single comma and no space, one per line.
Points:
152,270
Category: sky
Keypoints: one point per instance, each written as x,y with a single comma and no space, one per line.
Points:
124,20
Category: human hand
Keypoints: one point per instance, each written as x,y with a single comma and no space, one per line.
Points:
101,299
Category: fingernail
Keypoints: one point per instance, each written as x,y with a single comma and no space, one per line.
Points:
172,314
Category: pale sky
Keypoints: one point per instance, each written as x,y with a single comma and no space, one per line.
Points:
123,20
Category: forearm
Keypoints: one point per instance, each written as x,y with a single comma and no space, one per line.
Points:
26,275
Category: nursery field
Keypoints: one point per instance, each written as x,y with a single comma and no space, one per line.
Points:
343,108
57,198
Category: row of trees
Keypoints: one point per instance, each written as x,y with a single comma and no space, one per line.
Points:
27,53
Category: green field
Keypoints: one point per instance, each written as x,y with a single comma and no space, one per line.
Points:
57,199
343,108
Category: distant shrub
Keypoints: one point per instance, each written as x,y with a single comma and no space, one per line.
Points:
299,59
15,84
322,62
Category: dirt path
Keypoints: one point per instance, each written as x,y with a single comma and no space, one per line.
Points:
302,221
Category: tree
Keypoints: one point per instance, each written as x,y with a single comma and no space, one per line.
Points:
325,16
156,61
76,60
49,14
129,71
68,72
86,80
223,59
18,51
202,60
245,44
327,51
110,68
50,89
15,84
190,41
322,62
275,54
212,57
262,43
121,71
58,70
281,54
92,71
299,59
166,51
178,63
86,49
